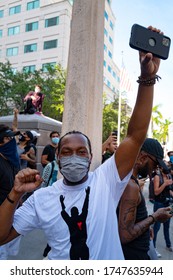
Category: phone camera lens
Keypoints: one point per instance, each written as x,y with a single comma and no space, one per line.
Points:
165,42
152,42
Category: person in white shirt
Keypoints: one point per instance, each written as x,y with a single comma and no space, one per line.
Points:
52,209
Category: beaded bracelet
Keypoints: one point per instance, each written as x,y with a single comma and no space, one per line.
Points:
10,200
149,81
152,218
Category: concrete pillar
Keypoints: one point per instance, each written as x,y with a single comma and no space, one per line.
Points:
84,89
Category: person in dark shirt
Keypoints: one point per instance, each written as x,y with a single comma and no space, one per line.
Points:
48,154
134,222
163,197
9,166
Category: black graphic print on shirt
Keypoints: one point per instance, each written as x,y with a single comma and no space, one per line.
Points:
77,228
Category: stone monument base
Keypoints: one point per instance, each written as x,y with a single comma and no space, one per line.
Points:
38,122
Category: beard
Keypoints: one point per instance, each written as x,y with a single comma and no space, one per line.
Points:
143,171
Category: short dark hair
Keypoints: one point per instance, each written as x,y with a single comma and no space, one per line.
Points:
53,132
75,132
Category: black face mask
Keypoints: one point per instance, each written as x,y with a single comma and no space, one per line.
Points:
9,150
21,138
144,171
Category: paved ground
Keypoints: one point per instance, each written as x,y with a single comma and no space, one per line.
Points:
33,244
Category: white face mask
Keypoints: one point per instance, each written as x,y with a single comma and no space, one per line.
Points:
37,89
74,168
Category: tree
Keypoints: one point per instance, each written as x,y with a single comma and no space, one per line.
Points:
159,126
14,86
110,117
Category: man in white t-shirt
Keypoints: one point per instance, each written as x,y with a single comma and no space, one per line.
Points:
82,205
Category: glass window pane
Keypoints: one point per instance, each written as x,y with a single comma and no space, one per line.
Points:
51,21
30,48
15,10
1,13
33,5
45,66
12,51
31,26
50,44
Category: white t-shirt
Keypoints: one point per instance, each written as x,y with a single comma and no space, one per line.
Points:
43,210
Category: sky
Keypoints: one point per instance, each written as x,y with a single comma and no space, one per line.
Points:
159,14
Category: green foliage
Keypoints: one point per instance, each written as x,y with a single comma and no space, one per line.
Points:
110,117
159,126
14,87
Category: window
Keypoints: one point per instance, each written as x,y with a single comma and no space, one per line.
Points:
51,21
15,10
45,66
28,69
33,5
110,40
105,48
31,26
110,54
13,30
1,33
111,25
105,32
108,84
50,44
14,70
12,51
104,63
114,74
106,15
109,69
30,48
1,13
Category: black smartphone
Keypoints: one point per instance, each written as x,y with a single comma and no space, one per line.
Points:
146,40
115,132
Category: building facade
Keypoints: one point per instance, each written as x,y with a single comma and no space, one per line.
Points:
34,34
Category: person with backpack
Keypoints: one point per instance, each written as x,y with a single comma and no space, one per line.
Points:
50,173
49,176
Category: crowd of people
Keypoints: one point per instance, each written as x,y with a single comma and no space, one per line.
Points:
99,215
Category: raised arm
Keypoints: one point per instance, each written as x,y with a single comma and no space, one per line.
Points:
139,122
25,181
15,120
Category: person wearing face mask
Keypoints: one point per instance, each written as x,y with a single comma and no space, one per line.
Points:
170,162
26,150
9,166
48,154
34,101
134,222
49,176
83,204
